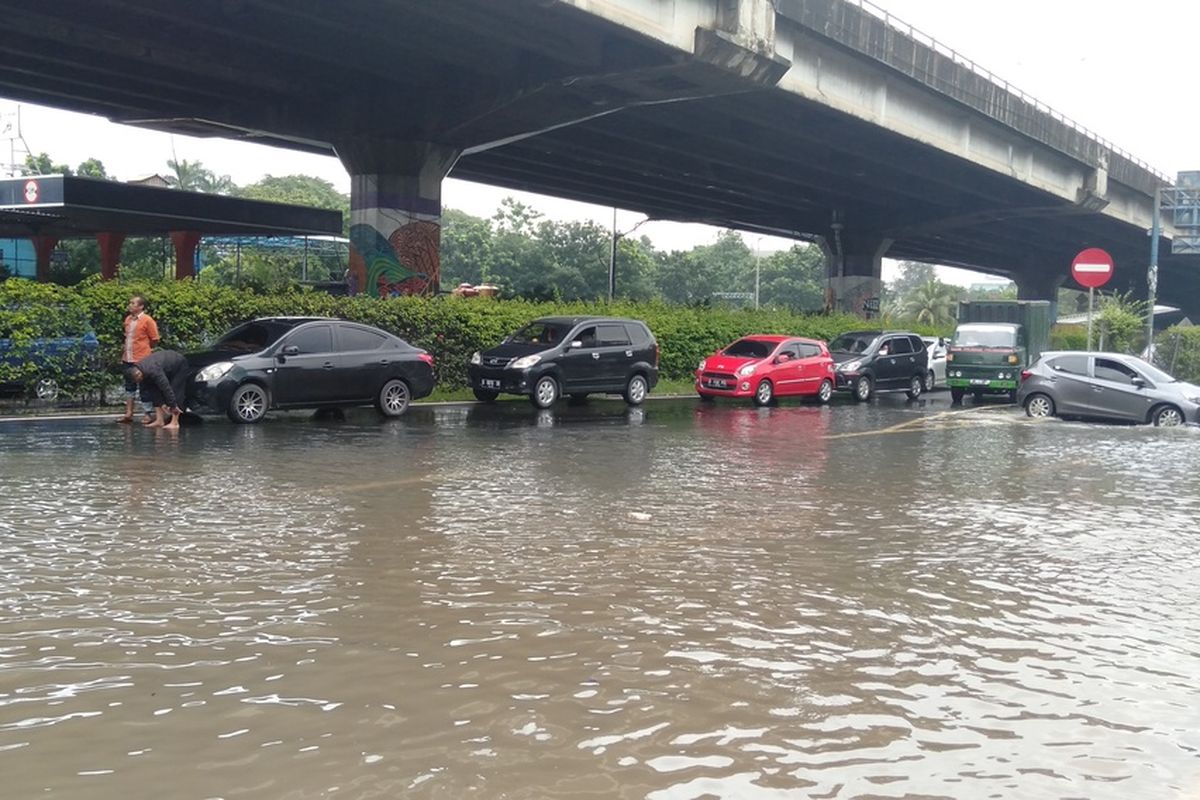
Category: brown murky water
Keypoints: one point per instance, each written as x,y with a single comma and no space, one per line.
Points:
672,603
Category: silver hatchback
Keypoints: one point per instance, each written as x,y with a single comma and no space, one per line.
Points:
1106,386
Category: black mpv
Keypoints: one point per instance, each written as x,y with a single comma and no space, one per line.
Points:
574,356
880,361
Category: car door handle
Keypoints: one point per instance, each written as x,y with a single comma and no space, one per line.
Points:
383,362
327,365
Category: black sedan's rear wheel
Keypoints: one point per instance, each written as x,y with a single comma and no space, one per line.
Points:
393,398
248,404
636,389
915,387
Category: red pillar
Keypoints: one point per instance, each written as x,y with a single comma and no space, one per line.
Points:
110,253
185,253
44,246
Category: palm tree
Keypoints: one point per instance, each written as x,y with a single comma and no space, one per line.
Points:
931,303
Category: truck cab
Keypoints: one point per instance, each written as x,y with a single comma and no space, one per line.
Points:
986,358
994,341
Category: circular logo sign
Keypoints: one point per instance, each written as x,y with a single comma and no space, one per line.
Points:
1092,268
31,191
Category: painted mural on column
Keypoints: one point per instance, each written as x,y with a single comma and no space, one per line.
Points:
395,237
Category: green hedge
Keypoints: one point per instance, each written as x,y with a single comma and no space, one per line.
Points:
1177,350
1068,337
191,315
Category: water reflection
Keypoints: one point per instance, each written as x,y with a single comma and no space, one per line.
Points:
688,601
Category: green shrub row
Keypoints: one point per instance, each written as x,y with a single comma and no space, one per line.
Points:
191,315
1177,350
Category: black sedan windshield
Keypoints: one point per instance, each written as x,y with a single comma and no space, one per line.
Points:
853,342
252,337
540,333
749,348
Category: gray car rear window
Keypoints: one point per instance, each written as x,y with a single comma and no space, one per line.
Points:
1076,365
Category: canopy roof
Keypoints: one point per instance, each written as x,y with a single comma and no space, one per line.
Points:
70,207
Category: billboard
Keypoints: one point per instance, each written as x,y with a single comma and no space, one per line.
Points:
1183,202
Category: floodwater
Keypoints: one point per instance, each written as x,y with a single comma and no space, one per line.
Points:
681,601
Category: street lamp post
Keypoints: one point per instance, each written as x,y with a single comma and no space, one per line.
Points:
612,253
1152,272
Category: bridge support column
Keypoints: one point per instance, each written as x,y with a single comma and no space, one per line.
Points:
110,253
1040,285
185,243
395,214
43,246
855,270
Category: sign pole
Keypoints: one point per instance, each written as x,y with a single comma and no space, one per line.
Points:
1091,294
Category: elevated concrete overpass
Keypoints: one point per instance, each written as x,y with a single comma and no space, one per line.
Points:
808,118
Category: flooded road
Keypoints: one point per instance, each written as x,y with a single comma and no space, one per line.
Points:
680,601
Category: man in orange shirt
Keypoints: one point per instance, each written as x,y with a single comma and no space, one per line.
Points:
141,336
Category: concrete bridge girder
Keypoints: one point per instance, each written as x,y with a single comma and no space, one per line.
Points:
396,185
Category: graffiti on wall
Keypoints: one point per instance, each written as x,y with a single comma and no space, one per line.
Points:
406,261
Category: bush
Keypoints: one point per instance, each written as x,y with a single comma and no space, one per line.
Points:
1177,350
1069,337
192,315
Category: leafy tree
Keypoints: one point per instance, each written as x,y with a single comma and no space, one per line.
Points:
300,190
193,176
931,303
41,164
913,274
467,248
793,278
93,168
1121,323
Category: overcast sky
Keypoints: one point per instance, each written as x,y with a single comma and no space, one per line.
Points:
1122,69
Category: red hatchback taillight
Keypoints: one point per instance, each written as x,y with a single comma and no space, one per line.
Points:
428,359
1025,375
657,351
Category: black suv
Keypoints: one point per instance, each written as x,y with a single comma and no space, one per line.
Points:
880,361
574,356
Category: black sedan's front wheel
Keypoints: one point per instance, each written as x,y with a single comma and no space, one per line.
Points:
545,392
248,404
393,398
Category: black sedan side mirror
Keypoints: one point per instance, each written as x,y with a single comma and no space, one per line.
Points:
290,350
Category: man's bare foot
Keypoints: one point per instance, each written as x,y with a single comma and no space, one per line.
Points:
154,424
123,420
173,425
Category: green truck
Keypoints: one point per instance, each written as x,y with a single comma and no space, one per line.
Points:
994,341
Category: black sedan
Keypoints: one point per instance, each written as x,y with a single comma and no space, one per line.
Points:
306,362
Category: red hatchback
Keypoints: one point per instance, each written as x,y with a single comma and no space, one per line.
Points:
766,367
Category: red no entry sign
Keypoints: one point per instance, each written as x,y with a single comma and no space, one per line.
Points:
1092,268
